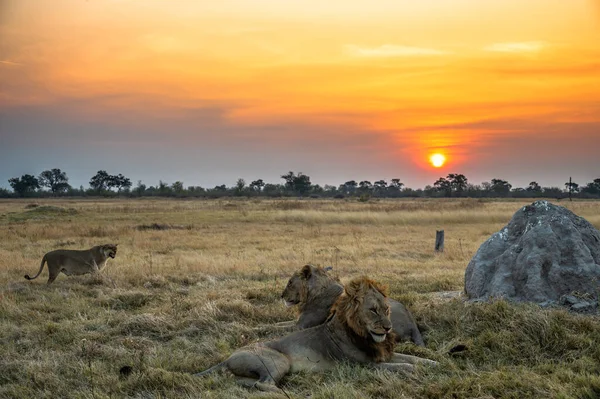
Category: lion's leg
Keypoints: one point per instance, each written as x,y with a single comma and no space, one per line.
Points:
402,367
51,278
264,366
53,272
285,324
112,281
254,383
95,268
401,358
416,336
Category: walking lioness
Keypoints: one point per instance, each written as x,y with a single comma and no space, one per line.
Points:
75,263
359,330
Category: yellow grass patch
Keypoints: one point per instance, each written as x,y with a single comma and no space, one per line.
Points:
190,292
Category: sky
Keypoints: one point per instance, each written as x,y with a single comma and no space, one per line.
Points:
209,92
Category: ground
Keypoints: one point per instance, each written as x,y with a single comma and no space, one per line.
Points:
195,279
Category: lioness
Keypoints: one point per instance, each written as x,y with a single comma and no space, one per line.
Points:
73,262
359,330
315,292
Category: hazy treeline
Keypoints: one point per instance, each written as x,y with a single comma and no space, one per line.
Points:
55,182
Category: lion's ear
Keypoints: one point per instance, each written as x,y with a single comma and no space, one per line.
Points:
352,289
306,272
383,289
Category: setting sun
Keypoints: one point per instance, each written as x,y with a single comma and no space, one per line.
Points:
437,160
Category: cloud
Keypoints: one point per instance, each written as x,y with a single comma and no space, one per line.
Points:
6,62
391,50
516,47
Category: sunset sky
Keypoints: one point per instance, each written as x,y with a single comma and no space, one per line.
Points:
210,91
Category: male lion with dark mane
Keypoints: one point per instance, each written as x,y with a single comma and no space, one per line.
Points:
314,291
359,330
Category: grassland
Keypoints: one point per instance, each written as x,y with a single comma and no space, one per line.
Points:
194,280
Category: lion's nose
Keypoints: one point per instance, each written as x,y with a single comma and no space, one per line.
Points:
387,329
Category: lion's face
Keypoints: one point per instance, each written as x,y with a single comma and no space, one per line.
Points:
301,283
375,313
365,309
110,250
294,290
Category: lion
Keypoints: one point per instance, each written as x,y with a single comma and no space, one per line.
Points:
314,291
73,262
359,330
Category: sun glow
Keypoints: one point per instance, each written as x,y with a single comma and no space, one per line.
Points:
437,160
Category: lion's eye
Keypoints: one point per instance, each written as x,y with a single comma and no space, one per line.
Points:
374,310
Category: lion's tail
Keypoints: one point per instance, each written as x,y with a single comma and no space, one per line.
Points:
39,271
210,370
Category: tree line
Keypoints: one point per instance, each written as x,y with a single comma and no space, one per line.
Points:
54,182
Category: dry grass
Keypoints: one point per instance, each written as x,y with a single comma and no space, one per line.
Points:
193,289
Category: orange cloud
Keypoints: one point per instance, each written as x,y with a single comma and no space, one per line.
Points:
517,47
391,50
417,76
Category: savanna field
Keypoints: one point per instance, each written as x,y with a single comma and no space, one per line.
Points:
194,280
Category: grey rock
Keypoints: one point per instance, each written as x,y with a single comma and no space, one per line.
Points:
544,253
584,306
569,300
548,304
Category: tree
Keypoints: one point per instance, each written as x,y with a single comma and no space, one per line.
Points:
177,187
163,188
397,184
4,193
429,190
444,186
316,191
395,187
592,187
273,190
140,189
349,187
257,185
302,184
571,187
365,187
379,187
458,182
239,186
330,189
534,187
55,179
289,180
453,183
196,190
554,192
299,184
24,185
119,182
500,187
99,182
474,190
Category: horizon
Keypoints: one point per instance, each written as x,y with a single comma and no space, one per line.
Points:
135,182
209,93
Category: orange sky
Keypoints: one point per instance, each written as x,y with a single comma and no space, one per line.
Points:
374,87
